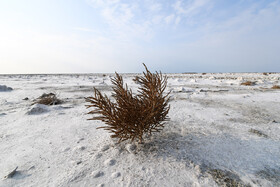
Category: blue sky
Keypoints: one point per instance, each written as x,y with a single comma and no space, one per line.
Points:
87,36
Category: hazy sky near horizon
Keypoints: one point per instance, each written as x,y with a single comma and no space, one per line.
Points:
88,36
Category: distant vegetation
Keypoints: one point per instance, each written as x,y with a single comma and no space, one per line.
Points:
248,83
48,99
275,87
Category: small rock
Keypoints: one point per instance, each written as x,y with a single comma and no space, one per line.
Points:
3,114
79,162
98,155
97,174
25,99
66,149
105,148
11,174
116,151
4,88
116,175
131,148
81,148
38,109
101,185
109,162
81,139
32,167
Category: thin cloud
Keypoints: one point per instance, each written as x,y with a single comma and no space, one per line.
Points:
126,19
189,34
155,7
169,19
178,19
193,7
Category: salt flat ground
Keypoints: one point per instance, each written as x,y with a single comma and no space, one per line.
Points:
219,133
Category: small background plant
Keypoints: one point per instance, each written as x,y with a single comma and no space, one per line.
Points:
131,116
248,83
275,87
47,99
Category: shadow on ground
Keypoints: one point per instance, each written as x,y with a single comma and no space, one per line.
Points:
231,161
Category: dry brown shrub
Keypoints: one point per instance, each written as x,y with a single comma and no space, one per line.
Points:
265,74
48,99
275,87
248,83
131,116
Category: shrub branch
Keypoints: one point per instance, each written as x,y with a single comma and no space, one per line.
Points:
131,116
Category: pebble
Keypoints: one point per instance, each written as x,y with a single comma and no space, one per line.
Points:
66,149
131,148
81,148
81,139
110,162
98,155
116,175
32,167
105,148
97,174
